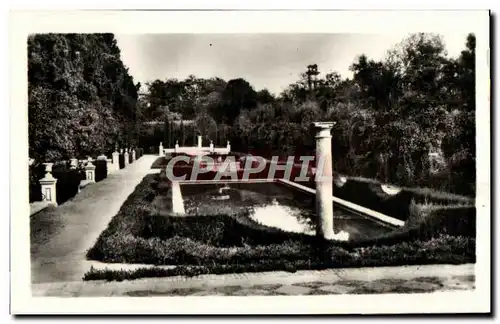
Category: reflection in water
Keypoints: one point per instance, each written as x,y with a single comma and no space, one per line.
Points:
287,218
275,206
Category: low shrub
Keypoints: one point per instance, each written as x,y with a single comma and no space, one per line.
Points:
139,152
101,170
441,250
121,160
368,193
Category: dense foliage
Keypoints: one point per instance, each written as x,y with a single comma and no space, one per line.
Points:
408,119
82,100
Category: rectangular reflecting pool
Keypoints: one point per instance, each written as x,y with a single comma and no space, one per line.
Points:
275,205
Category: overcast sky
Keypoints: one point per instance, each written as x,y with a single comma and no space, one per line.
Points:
271,61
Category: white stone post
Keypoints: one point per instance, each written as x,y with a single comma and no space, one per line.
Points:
133,155
109,166
116,161
125,157
323,179
228,146
48,184
199,141
73,164
90,171
211,146
176,148
160,149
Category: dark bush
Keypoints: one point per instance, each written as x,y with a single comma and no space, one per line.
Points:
68,181
368,193
36,172
101,170
121,161
138,235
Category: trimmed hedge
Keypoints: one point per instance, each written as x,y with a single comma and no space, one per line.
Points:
368,193
138,235
101,170
67,183
440,250
139,152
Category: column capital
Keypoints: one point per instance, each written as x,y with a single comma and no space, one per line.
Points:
323,129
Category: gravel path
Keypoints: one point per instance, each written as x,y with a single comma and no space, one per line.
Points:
404,279
75,226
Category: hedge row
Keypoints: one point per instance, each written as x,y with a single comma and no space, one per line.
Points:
68,180
137,235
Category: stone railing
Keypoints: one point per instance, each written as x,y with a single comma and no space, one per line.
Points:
191,149
48,182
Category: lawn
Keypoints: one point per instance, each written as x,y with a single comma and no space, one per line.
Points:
145,232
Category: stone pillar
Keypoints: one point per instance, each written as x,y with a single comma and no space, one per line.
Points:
90,171
323,179
109,166
48,184
199,141
160,149
211,146
228,146
177,202
125,157
176,148
116,160
133,155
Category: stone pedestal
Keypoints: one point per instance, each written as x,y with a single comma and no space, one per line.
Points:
211,147
199,141
116,161
90,171
48,184
109,166
323,179
176,148
228,146
160,149
125,157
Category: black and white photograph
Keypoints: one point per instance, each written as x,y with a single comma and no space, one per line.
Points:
160,160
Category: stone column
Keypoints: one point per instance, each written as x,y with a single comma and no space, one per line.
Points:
211,147
176,148
116,160
323,179
160,149
133,155
125,157
48,184
90,171
228,146
199,141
